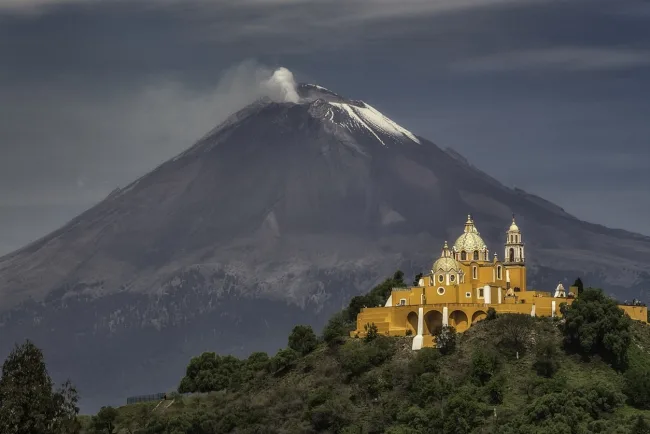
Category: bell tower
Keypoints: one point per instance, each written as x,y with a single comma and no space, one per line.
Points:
514,258
514,253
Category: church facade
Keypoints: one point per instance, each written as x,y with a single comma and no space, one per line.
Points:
463,283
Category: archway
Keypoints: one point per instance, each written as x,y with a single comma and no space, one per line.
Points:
412,323
432,321
458,319
512,255
479,315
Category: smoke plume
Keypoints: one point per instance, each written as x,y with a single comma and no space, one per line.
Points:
281,87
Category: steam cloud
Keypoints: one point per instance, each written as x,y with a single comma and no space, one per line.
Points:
282,86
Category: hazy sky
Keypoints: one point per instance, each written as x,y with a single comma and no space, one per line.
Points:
551,96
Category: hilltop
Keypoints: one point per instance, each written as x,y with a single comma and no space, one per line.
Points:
507,374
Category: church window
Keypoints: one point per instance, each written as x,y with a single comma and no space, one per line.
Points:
463,255
452,277
402,302
476,255
474,273
441,290
441,278
468,295
499,273
512,255
480,293
517,289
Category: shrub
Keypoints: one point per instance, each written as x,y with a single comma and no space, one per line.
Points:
491,314
495,389
446,339
485,363
426,360
546,355
337,329
303,340
210,372
637,380
284,359
514,331
429,388
357,357
371,332
594,324
462,413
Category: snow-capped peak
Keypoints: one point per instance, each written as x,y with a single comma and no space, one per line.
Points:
363,116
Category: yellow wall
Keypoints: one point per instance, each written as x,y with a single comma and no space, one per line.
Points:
396,320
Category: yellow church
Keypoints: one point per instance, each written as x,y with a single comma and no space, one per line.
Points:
460,287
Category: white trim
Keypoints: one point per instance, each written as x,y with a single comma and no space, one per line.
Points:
402,302
439,292
389,302
445,316
500,295
487,292
553,309
418,339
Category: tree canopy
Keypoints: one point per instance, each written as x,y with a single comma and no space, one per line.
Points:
595,325
28,403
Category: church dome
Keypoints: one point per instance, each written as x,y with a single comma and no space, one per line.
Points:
513,226
445,265
470,240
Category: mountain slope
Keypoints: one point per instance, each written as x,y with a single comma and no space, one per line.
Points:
275,217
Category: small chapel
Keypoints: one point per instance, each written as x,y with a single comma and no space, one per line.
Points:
463,283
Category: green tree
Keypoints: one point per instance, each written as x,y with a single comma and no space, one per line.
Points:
546,358
283,360
303,339
485,363
210,372
594,324
371,332
416,280
640,426
514,332
580,286
491,314
337,329
446,339
28,404
104,421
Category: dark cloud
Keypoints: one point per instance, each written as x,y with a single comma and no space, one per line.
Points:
545,95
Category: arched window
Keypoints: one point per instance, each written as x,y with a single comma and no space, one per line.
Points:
499,272
441,278
463,255
474,273
512,255
476,255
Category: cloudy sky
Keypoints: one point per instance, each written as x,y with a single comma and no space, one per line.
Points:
551,96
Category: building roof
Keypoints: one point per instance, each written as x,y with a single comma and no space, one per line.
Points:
470,240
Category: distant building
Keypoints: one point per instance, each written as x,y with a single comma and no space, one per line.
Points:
460,287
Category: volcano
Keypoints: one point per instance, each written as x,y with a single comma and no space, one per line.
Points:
276,217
